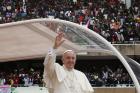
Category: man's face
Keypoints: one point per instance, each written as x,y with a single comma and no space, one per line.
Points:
69,59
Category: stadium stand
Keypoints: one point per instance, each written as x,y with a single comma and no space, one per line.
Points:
24,75
110,18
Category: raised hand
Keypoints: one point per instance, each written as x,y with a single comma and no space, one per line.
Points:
59,40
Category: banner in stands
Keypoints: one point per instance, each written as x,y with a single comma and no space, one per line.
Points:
5,89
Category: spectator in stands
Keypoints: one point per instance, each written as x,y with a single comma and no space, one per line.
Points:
62,79
81,12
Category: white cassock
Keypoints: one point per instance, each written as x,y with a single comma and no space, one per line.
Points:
59,80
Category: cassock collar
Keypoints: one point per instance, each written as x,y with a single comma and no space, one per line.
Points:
67,69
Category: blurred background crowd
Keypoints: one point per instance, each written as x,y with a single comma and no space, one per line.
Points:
112,19
24,74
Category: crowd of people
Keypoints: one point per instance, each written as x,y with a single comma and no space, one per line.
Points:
105,76
109,77
21,78
110,18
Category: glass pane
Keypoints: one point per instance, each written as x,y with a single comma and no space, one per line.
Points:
135,67
77,35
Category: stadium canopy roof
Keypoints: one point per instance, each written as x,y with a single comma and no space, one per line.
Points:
32,39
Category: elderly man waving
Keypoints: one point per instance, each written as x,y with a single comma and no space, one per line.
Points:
64,79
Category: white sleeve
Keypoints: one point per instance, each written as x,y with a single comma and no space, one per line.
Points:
52,69
49,62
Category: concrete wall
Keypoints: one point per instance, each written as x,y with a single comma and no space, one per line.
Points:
96,90
128,49
125,49
114,90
